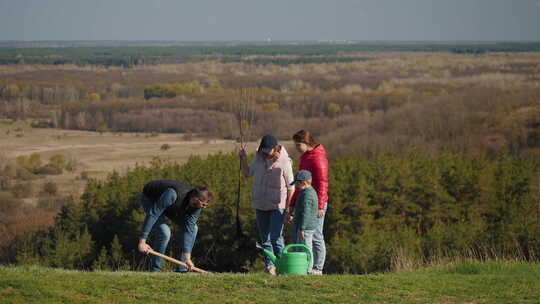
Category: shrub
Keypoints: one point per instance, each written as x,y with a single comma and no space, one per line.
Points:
22,190
333,109
170,90
7,174
72,164
25,175
51,203
58,160
165,147
8,204
5,183
49,169
30,163
42,124
94,97
50,188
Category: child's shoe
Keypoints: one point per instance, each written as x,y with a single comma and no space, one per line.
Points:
271,270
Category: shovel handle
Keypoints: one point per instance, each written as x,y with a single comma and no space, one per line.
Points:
175,261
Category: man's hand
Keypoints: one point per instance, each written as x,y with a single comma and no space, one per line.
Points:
189,264
320,213
301,234
275,156
143,247
290,218
242,154
187,260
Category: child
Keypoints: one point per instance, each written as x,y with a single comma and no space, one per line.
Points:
306,206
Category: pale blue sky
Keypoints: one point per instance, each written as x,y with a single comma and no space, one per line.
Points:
200,20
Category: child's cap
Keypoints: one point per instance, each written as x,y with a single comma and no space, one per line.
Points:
302,175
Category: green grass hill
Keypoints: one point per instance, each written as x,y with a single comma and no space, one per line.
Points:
469,282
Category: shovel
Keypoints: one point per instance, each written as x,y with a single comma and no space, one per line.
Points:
175,261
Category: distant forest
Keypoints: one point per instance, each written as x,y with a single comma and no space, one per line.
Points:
128,56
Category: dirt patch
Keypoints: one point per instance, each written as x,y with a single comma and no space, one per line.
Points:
7,290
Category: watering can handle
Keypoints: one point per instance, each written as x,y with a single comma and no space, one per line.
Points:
308,251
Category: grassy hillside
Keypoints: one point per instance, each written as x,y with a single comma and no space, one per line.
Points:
489,282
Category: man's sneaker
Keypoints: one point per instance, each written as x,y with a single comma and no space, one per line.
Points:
271,270
316,272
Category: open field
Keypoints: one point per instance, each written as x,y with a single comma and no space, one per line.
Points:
489,282
99,154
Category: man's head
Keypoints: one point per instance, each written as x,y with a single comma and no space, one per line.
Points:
268,145
199,197
302,179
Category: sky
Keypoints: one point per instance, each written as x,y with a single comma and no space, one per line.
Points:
248,20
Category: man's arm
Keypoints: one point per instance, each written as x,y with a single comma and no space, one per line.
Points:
152,214
189,234
290,194
243,163
289,178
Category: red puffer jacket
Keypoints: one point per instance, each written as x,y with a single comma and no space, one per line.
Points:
316,162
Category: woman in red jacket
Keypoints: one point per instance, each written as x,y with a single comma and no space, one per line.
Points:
315,160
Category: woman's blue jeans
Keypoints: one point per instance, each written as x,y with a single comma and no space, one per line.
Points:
270,225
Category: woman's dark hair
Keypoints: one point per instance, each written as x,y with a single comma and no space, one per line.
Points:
305,137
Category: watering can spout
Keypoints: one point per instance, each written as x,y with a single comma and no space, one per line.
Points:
270,255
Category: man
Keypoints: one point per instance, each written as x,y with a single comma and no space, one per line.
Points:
271,169
182,204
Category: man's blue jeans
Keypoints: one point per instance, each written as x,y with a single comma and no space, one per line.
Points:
270,225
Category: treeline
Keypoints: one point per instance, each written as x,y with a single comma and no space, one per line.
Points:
59,94
385,213
285,61
188,107
370,123
129,56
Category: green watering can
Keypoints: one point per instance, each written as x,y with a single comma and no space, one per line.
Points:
291,262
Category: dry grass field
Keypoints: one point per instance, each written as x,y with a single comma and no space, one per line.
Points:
98,154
